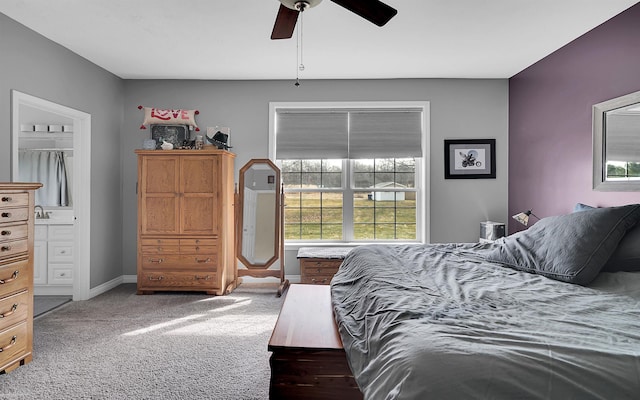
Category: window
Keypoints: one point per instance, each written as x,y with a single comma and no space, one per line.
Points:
351,172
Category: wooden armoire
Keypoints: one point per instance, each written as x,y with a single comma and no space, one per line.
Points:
186,221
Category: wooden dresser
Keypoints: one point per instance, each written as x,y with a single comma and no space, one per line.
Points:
319,264
16,274
186,221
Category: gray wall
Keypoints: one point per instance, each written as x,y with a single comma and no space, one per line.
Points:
32,64
459,109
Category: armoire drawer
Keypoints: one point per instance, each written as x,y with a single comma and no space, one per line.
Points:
177,262
174,279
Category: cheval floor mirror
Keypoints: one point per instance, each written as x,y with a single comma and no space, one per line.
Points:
260,222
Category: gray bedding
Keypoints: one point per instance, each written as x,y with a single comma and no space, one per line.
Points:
440,322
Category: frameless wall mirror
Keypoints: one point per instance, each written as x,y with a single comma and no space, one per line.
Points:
259,219
616,144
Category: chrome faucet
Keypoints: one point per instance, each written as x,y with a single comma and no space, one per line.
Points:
41,213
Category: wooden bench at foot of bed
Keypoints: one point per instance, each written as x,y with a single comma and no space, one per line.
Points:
308,360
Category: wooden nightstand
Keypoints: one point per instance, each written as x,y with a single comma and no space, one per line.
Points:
319,264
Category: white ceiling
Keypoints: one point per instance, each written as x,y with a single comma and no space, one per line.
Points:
229,39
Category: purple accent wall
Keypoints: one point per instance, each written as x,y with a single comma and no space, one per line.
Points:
550,144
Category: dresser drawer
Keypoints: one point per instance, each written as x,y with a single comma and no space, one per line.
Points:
178,279
320,267
318,271
316,279
14,308
13,232
198,262
14,277
198,242
159,242
14,200
14,214
208,250
13,248
13,342
160,249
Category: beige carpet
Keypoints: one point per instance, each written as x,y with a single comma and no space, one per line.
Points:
164,346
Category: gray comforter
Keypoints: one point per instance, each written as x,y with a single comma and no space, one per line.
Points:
438,322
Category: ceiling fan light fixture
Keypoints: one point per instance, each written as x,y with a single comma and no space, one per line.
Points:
300,5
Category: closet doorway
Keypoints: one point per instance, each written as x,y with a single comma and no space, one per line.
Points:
70,216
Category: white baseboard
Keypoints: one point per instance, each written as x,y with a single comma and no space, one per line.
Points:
105,287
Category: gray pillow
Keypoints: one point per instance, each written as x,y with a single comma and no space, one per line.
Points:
570,248
626,257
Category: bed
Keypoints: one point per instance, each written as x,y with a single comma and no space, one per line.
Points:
552,312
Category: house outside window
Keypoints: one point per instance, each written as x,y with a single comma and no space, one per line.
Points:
351,172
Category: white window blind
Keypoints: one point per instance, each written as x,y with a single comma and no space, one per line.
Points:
348,133
311,134
623,137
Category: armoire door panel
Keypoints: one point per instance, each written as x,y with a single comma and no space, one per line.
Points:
160,215
201,217
163,176
199,175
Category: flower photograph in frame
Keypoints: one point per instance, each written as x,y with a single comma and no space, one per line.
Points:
470,159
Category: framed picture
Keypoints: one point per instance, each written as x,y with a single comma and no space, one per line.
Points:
470,159
175,134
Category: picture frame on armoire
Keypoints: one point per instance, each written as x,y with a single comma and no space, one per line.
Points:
470,159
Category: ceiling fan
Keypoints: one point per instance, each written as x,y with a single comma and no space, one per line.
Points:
372,10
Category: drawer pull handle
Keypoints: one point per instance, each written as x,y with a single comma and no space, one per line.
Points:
153,278
156,260
5,248
206,260
6,233
206,278
13,309
14,276
6,199
6,214
13,341
319,269
314,280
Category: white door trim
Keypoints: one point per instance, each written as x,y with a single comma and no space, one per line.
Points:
81,190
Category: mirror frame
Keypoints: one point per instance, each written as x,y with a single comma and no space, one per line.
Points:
599,159
276,241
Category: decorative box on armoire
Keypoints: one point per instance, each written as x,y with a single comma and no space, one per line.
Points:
186,232
16,274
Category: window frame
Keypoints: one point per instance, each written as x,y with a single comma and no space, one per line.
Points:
421,171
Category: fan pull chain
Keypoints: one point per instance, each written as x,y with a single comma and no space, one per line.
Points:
299,49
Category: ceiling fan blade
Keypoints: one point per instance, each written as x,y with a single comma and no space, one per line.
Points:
285,23
372,10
